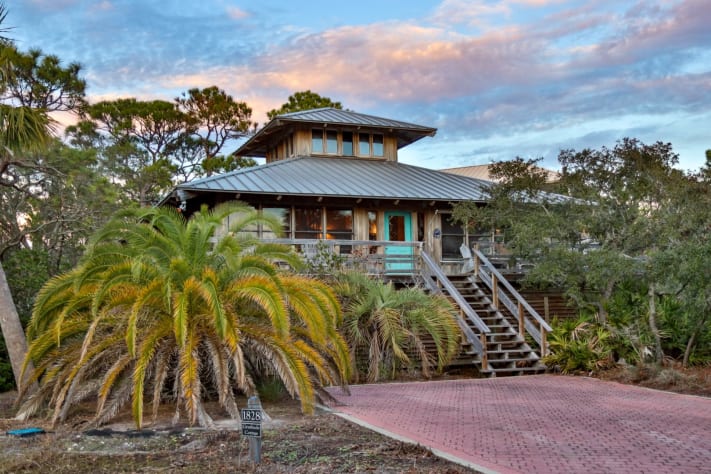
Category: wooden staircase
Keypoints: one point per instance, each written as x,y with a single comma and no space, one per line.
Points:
503,334
507,350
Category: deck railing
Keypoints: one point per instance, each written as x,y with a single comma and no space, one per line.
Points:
437,281
503,294
374,257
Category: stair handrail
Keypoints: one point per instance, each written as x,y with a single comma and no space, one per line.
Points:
430,270
490,275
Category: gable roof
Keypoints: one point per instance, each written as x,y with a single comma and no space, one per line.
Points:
329,117
344,177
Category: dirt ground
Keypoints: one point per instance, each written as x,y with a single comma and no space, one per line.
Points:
291,443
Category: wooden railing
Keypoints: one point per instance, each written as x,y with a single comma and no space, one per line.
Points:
529,321
374,257
436,281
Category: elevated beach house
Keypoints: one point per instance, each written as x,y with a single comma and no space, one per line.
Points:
334,180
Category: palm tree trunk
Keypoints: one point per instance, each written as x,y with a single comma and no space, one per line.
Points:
12,331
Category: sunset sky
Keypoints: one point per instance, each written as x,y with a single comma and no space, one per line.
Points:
497,78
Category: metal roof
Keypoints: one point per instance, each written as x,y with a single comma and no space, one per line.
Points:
482,172
347,117
344,177
329,117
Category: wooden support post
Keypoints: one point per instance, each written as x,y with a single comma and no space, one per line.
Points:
546,309
484,356
495,290
544,342
521,326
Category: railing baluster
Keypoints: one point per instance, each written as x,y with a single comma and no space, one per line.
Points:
529,321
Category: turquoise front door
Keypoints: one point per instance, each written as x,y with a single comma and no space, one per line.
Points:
398,228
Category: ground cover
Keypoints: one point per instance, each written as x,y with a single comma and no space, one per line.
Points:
323,443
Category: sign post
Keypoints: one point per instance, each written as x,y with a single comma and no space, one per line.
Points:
252,427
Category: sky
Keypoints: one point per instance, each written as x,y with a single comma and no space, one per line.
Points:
497,78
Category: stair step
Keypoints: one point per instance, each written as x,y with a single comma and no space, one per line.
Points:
510,351
518,370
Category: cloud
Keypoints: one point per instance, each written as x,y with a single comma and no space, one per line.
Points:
471,13
237,13
516,78
485,71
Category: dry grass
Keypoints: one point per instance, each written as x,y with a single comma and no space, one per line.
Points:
293,443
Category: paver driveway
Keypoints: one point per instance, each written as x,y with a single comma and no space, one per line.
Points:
542,424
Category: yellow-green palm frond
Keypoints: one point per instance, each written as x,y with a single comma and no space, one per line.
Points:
158,298
24,129
267,296
50,301
141,307
149,344
189,367
163,356
108,381
289,367
220,362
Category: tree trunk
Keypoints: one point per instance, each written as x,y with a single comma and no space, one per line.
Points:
12,331
606,295
692,340
658,354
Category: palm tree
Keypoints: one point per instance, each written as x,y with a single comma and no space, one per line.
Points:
391,328
164,305
22,130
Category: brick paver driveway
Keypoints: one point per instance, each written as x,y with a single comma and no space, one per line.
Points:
542,424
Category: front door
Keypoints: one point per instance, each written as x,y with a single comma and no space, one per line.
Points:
398,228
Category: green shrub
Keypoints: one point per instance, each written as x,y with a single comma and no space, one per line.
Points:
387,328
271,389
579,346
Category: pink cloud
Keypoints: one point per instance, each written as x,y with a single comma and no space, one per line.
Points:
237,13
402,62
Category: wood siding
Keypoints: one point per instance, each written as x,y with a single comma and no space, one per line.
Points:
302,144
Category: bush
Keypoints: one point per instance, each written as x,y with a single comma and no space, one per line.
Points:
579,346
387,329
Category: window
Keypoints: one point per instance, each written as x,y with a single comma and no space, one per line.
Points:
452,238
377,145
235,221
332,142
364,144
347,143
283,214
372,225
339,224
308,223
316,141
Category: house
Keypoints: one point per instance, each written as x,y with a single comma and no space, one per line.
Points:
332,177
334,174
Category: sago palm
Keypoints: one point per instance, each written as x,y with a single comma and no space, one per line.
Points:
391,328
161,306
